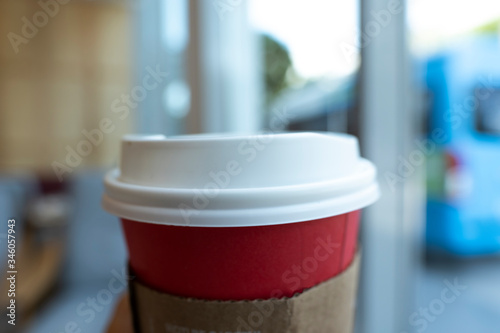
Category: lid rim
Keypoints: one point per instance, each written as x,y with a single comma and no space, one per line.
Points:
244,217
153,196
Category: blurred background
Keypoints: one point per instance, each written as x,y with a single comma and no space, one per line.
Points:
418,81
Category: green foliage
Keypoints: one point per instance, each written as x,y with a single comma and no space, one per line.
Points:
276,64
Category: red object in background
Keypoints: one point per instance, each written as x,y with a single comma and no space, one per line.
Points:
236,263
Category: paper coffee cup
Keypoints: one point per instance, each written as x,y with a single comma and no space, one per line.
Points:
221,217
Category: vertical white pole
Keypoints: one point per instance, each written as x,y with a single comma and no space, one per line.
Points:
392,226
225,67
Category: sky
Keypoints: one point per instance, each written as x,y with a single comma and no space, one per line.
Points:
315,30
433,23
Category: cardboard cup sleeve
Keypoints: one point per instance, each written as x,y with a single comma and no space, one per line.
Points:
326,308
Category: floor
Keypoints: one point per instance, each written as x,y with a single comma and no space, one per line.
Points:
476,307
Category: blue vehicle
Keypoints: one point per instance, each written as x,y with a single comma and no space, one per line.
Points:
463,172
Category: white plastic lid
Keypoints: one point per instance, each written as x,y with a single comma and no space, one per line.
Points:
231,180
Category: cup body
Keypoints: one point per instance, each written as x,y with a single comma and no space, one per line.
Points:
237,263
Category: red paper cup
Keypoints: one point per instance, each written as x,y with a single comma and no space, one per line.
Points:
241,263
272,227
